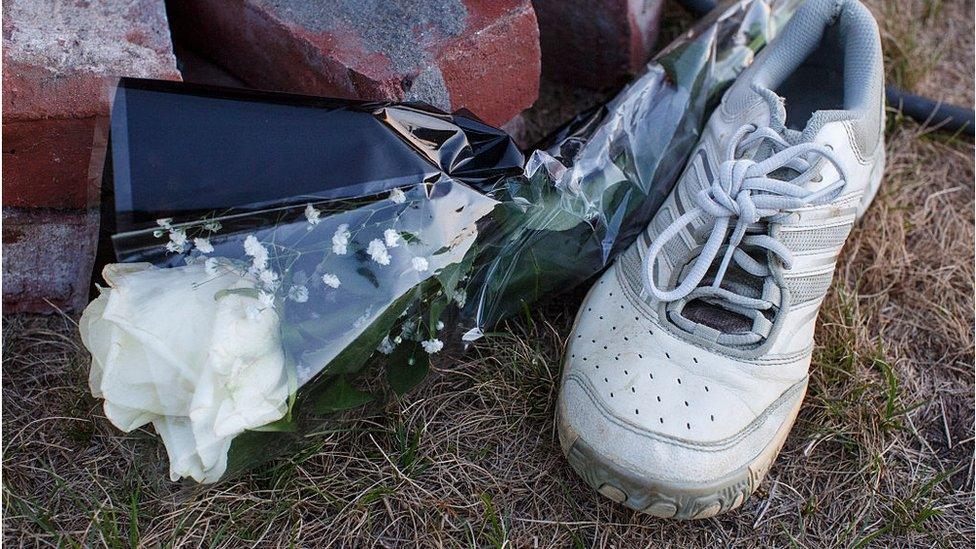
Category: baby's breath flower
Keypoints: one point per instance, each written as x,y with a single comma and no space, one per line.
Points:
178,236
377,252
257,251
386,346
419,264
397,196
391,238
460,298
432,345
340,240
212,226
440,325
331,280
203,245
408,328
312,215
165,222
298,293
266,299
269,278
210,266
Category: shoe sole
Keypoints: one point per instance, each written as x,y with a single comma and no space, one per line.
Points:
666,499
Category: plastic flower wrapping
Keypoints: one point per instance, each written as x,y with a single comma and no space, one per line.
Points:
282,258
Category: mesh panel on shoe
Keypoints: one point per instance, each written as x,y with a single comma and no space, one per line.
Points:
825,238
632,266
808,288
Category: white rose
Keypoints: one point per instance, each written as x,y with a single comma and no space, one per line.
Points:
201,369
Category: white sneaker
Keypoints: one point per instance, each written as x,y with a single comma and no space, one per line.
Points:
688,361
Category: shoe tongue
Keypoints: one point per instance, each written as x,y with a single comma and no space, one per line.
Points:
775,108
770,112
714,315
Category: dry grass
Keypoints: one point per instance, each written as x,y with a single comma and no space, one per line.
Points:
882,453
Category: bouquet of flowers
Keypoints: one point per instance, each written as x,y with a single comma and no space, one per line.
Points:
274,248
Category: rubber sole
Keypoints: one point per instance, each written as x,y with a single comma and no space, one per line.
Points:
665,499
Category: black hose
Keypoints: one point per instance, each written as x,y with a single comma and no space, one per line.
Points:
950,118
934,114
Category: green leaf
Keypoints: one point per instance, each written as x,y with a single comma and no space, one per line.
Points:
450,275
410,238
246,292
340,395
408,366
437,306
354,355
283,425
368,275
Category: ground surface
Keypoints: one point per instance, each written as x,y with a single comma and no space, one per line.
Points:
882,453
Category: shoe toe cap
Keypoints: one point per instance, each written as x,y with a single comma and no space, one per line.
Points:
659,406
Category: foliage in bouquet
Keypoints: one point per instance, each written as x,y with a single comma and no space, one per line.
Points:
320,289
596,183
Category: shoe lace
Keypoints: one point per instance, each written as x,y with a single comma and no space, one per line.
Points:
746,190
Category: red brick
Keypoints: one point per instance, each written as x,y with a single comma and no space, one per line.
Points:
516,128
61,60
596,43
482,55
47,259
45,160
199,70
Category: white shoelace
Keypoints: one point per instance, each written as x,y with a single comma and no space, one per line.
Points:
744,189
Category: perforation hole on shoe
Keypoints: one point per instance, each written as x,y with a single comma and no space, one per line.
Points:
631,371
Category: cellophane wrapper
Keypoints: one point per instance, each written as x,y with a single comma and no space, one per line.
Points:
377,233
